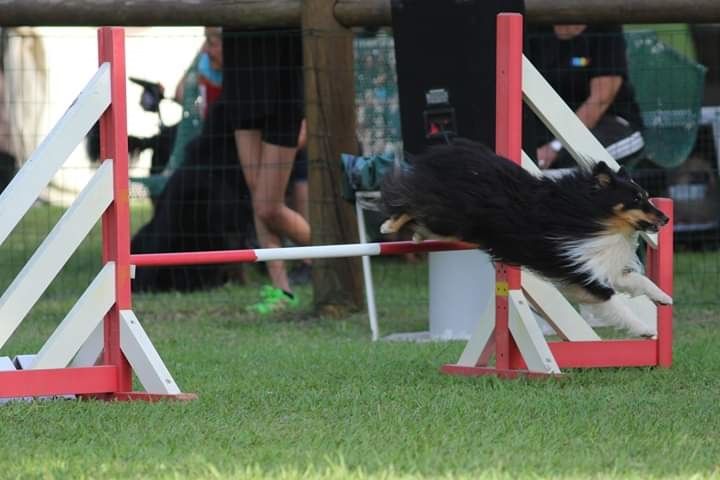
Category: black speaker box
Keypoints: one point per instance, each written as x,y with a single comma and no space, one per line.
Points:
445,56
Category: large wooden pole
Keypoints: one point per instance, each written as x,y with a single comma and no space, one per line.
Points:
330,112
351,13
231,13
356,13
622,11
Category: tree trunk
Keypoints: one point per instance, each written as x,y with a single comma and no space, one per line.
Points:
330,111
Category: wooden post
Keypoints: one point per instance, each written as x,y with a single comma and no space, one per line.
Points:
330,112
358,13
351,13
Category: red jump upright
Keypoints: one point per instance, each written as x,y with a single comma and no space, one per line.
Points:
509,362
68,362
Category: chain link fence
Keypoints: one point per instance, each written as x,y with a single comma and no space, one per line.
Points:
189,191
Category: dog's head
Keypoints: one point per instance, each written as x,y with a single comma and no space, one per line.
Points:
626,203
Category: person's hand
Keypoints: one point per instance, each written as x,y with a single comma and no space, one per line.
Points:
546,156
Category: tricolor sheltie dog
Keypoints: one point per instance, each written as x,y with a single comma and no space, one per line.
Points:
579,230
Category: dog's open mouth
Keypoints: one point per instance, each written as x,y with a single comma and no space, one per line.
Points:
649,227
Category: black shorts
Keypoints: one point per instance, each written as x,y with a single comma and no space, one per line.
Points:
263,82
620,139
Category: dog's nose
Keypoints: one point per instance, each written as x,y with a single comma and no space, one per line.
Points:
663,219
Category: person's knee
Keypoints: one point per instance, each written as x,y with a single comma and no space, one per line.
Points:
268,212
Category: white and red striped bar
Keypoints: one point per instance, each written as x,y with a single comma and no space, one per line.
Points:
294,253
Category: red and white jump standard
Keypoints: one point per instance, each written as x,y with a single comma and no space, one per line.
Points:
85,355
509,361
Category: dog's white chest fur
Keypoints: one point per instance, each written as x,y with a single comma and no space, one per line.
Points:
604,258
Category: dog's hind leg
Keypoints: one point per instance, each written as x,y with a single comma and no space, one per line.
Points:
636,284
618,314
395,223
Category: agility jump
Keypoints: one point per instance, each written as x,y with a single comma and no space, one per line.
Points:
67,362
518,343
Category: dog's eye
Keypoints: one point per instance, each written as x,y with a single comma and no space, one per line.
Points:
638,198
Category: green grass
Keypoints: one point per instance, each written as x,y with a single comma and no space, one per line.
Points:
304,397
697,277
297,396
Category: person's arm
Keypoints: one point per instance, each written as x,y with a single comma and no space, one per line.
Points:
609,66
602,94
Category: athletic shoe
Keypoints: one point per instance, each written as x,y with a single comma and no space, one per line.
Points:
272,300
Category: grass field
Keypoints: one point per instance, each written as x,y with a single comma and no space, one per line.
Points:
297,396
305,397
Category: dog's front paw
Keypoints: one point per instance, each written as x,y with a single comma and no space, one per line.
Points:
646,332
662,298
387,226
418,237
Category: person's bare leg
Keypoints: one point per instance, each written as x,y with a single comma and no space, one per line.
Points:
301,204
276,165
249,148
249,145
277,219
266,169
276,269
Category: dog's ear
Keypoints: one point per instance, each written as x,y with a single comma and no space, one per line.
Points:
603,174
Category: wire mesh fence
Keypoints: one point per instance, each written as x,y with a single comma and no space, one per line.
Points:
190,190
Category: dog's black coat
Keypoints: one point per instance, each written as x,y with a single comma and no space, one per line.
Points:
205,206
466,191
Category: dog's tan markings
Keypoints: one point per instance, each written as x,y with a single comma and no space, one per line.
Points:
394,224
617,223
625,221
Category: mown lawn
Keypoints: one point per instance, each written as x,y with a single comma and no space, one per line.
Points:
304,397
297,396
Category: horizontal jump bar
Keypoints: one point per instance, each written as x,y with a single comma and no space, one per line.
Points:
294,253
